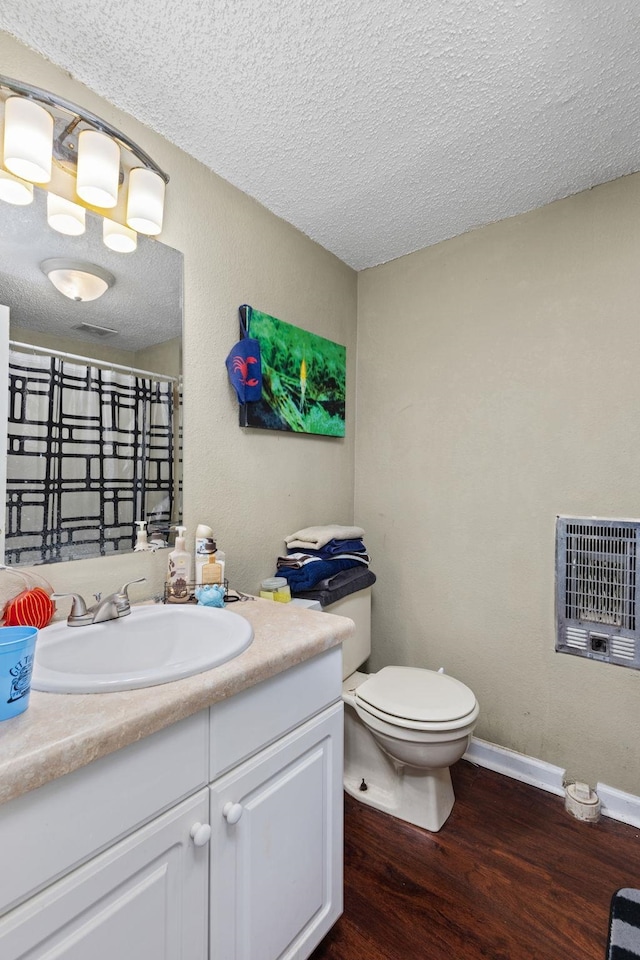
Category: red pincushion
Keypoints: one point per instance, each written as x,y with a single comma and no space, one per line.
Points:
31,608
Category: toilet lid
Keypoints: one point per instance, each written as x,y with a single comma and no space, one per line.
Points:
412,693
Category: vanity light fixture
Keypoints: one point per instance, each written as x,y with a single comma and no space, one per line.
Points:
65,216
145,202
77,279
118,237
28,140
49,140
98,175
14,190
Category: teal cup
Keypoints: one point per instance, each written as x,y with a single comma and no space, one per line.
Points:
17,649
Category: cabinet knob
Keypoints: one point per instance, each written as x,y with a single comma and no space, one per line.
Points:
200,834
232,812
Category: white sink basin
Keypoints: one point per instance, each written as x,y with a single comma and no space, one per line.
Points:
153,644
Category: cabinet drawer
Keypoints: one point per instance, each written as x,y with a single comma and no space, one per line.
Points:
47,832
256,717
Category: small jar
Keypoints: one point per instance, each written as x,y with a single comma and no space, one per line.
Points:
275,588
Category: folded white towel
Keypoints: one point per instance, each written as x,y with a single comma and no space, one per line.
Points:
314,538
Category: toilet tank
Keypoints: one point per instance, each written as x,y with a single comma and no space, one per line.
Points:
355,650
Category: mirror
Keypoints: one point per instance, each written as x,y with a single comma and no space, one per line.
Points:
93,424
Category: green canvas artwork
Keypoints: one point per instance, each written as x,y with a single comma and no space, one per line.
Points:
303,380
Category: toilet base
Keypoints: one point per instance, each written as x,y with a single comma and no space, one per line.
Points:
424,798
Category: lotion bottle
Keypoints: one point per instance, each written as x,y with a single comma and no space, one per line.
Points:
179,560
212,570
141,537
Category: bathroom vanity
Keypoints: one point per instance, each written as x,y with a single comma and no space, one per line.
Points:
200,818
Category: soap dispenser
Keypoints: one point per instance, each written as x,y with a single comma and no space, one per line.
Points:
179,560
141,537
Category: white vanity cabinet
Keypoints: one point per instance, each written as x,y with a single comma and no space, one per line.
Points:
277,814
143,899
102,861
276,864
219,837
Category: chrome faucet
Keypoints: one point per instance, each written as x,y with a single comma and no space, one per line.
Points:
113,607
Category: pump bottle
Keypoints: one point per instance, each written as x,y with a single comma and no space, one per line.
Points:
141,537
179,560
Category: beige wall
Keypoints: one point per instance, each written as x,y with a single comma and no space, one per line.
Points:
252,486
50,341
161,357
498,387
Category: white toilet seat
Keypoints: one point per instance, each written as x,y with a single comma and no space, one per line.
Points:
412,698
425,726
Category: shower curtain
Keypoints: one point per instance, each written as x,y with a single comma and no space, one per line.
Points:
89,451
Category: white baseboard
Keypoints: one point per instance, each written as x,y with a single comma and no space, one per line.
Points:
615,804
518,766
619,805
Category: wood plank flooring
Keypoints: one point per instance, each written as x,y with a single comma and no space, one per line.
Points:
511,876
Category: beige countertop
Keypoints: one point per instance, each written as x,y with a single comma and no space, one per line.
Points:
59,733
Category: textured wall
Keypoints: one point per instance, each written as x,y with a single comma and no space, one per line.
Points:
252,487
498,387
99,351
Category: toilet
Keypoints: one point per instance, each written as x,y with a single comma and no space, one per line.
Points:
404,727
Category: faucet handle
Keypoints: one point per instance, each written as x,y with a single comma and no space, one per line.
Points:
78,607
122,597
124,587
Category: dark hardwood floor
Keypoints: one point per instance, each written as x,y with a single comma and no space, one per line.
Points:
511,876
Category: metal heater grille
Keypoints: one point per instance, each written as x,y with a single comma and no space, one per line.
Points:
597,587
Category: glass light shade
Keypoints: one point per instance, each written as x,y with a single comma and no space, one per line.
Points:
145,201
78,285
77,280
65,216
98,169
28,140
14,190
118,237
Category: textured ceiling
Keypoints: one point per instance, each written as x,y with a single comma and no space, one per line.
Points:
377,127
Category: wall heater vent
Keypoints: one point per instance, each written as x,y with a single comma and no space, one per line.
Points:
597,588
623,648
576,638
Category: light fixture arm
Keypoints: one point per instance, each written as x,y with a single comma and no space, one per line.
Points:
52,100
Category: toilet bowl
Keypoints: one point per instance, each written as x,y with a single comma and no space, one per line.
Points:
404,727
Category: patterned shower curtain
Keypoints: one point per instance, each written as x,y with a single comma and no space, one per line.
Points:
89,451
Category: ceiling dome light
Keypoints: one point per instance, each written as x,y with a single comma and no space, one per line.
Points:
28,140
98,169
118,237
145,201
65,216
14,190
76,279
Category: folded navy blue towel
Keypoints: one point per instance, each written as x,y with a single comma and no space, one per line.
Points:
302,559
306,577
334,547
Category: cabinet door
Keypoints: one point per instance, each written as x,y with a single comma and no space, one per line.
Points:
146,898
276,862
